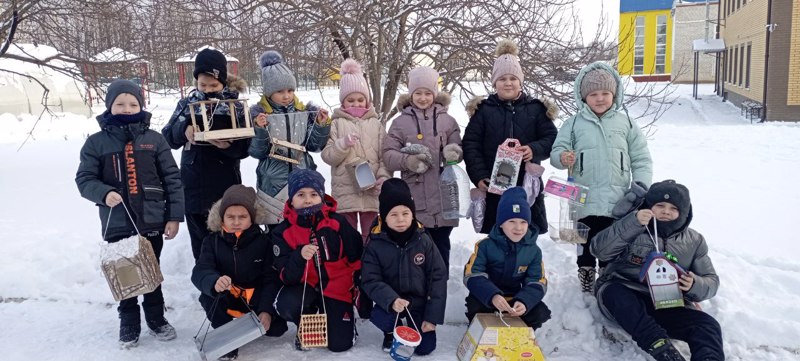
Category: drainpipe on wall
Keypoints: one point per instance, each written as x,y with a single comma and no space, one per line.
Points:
770,27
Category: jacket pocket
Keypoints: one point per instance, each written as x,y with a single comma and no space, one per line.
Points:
154,207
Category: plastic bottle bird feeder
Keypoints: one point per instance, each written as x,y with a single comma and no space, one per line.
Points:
281,150
364,177
208,130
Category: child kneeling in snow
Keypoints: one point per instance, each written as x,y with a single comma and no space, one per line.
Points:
126,162
237,257
402,269
317,253
506,272
622,298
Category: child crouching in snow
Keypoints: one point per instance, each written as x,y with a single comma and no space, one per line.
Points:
317,253
126,162
627,301
356,136
403,271
237,257
506,272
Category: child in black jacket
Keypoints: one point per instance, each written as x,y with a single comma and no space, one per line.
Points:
126,162
237,257
403,270
207,168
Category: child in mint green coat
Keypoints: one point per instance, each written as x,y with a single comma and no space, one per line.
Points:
604,150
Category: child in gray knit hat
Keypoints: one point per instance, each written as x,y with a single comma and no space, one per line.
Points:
281,115
603,149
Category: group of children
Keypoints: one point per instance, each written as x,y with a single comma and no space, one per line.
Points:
383,250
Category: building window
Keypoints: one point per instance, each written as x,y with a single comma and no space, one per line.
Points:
661,44
747,72
638,47
735,63
728,65
741,64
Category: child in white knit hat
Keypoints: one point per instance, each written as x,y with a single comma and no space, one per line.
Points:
420,142
356,137
605,150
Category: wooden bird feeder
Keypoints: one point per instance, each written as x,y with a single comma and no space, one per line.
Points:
280,147
207,130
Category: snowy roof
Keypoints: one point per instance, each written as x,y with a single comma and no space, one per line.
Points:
189,58
116,54
708,46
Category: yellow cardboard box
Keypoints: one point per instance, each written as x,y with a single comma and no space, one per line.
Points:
490,338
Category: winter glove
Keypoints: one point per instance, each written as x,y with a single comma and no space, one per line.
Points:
423,159
417,163
347,141
632,199
532,181
452,153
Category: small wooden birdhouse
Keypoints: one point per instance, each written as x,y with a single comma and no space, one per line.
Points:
663,280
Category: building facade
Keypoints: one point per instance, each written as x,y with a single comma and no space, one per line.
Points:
762,57
693,21
645,39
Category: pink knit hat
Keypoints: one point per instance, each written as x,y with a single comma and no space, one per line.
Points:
423,77
507,61
353,81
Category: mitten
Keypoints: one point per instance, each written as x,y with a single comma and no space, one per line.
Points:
632,199
417,163
347,141
452,153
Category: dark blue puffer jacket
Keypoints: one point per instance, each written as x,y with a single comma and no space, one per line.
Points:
499,266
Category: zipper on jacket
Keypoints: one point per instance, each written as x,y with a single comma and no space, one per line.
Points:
288,138
235,266
621,163
581,164
149,188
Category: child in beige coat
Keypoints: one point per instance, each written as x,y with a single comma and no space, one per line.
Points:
356,137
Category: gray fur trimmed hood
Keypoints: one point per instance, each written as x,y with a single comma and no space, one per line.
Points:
475,102
214,220
442,98
236,83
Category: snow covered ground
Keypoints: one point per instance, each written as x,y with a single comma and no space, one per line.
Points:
55,304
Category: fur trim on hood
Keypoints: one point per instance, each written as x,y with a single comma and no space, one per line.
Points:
214,220
442,98
236,83
475,102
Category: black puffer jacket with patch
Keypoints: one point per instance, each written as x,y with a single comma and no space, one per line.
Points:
414,272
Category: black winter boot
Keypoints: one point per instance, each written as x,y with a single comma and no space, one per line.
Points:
663,350
586,277
233,355
129,335
158,325
388,338
130,326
